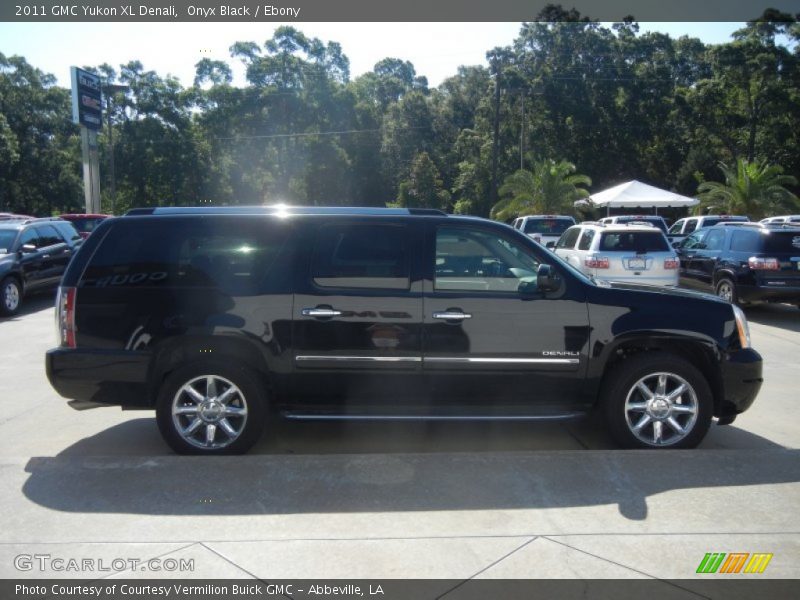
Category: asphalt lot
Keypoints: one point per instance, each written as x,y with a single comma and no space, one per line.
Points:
368,500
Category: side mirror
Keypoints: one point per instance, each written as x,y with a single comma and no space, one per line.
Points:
547,279
28,248
528,287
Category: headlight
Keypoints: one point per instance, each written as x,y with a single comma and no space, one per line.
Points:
741,326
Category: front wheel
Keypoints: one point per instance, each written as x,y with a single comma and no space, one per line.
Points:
657,400
10,296
210,407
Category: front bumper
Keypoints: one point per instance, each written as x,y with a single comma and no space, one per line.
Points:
103,377
741,380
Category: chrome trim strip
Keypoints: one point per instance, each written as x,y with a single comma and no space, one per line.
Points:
314,358
344,417
533,361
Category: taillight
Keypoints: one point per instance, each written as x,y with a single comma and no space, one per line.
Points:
596,262
763,264
671,263
65,316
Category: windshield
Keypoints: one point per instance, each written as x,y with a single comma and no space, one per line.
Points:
548,226
7,237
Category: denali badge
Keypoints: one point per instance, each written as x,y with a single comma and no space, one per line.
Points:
560,353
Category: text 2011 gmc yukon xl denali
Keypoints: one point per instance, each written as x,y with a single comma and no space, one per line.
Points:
218,317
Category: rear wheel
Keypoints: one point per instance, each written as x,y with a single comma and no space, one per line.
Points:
211,407
10,296
726,290
657,400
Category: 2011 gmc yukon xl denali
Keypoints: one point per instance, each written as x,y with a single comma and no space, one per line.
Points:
219,317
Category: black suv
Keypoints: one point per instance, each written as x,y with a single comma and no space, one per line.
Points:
214,316
743,263
34,254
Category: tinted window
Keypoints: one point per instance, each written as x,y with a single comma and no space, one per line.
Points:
473,260
586,239
49,236
237,255
745,241
7,237
568,239
714,240
633,241
30,236
691,225
711,221
67,231
362,256
782,242
85,225
547,226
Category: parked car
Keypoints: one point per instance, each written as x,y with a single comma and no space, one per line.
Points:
213,316
5,216
743,264
623,253
791,219
545,229
654,220
683,227
34,254
85,223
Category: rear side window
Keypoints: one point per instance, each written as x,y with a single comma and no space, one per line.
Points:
746,241
237,256
568,239
362,256
48,236
633,241
586,239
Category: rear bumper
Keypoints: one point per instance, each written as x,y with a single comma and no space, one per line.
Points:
769,293
104,377
741,380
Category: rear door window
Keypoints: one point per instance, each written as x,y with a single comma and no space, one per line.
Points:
568,239
633,241
49,236
362,256
586,239
691,225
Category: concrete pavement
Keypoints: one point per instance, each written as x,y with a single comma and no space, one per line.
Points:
451,501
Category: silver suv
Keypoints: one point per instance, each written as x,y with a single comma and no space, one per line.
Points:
626,253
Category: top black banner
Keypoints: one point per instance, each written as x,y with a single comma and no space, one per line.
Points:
287,11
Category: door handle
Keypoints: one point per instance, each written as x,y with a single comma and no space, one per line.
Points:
45,256
450,315
320,312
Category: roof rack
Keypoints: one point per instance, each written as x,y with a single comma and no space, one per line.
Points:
289,210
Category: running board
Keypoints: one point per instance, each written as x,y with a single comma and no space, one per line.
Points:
299,416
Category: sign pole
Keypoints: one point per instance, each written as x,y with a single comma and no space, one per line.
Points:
86,112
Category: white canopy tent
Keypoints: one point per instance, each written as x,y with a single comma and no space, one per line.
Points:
635,194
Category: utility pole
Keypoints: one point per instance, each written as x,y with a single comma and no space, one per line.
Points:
496,139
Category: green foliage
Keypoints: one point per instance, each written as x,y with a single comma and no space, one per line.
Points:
750,188
619,103
551,188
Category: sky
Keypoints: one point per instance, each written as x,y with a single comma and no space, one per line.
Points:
435,49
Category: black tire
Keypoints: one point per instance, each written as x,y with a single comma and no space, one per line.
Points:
251,395
621,383
722,287
10,289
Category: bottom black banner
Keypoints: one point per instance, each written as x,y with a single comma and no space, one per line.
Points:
729,588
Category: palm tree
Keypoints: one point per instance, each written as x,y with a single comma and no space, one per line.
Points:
751,188
551,188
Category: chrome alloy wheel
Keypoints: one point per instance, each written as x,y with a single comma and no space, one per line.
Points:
209,412
11,296
725,290
661,409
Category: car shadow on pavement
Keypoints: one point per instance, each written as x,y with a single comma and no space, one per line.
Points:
784,316
33,304
306,468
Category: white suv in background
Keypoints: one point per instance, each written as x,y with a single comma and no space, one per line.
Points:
545,229
626,253
791,219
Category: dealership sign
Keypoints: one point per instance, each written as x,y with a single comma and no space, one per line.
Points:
86,99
